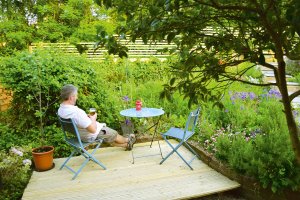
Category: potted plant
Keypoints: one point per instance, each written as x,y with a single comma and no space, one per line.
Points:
43,158
43,155
31,78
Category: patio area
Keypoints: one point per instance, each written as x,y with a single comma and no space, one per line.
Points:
145,179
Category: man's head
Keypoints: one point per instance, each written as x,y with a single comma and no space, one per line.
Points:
69,93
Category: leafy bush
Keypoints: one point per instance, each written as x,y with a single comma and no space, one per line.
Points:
26,75
136,80
292,67
10,137
101,85
15,35
252,142
15,171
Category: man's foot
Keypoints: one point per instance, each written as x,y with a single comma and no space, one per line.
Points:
131,141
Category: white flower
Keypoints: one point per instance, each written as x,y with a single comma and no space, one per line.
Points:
27,162
16,151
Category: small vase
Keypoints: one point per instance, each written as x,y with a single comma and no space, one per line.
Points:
43,158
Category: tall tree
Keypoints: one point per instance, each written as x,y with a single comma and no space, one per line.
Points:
214,36
26,21
15,32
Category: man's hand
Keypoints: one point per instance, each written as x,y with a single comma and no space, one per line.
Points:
93,127
93,117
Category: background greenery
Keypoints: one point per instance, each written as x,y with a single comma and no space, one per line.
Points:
24,22
248,132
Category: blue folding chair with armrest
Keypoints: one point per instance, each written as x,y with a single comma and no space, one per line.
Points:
72,138
182,135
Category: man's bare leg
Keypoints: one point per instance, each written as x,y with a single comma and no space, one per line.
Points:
121,141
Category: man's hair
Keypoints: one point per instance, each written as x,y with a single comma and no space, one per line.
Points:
67,91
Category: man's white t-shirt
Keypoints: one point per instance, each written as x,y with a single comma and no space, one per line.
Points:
81,120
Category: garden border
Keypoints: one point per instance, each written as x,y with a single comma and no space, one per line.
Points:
250,187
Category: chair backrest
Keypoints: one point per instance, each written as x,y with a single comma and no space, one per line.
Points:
191,121
70,131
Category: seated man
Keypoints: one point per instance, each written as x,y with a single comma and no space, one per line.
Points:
89,129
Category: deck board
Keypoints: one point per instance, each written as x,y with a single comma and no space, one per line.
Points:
145,179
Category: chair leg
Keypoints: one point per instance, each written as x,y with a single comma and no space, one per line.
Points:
175,150
81,167
70,156
91,156
184,160
191,149
88,156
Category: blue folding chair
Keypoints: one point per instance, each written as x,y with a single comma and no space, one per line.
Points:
182,135
72,138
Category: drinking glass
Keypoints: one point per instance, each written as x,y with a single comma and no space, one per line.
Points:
92,111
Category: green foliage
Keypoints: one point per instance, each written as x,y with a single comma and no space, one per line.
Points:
136,80
45,72
249,69
292,67
15,170
34,21
242,133
51,31
212,44
54,137
245,136
101,85
10,137
14,35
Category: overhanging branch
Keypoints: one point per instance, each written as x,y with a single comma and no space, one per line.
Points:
294,95
247,82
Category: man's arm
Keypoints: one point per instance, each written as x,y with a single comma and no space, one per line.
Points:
92,128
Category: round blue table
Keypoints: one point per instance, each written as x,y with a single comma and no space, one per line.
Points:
145,113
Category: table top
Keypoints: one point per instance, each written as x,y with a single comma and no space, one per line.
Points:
145,112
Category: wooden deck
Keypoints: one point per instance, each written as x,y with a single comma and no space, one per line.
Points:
145,179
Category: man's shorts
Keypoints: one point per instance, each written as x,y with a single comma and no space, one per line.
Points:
107,134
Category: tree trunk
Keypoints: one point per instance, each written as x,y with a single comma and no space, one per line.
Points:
292,126
293,130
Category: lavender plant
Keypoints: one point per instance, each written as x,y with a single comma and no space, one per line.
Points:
251,135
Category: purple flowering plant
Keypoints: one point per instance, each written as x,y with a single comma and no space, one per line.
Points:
240,117
228,133
126,101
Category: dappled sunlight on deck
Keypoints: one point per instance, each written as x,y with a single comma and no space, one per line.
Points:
145,179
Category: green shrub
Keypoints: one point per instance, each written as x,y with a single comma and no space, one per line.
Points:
10,137
27,74
251,135
15,171
292,67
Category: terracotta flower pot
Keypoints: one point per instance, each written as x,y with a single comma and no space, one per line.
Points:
43,158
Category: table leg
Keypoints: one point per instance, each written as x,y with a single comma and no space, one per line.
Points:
155,125
155,134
